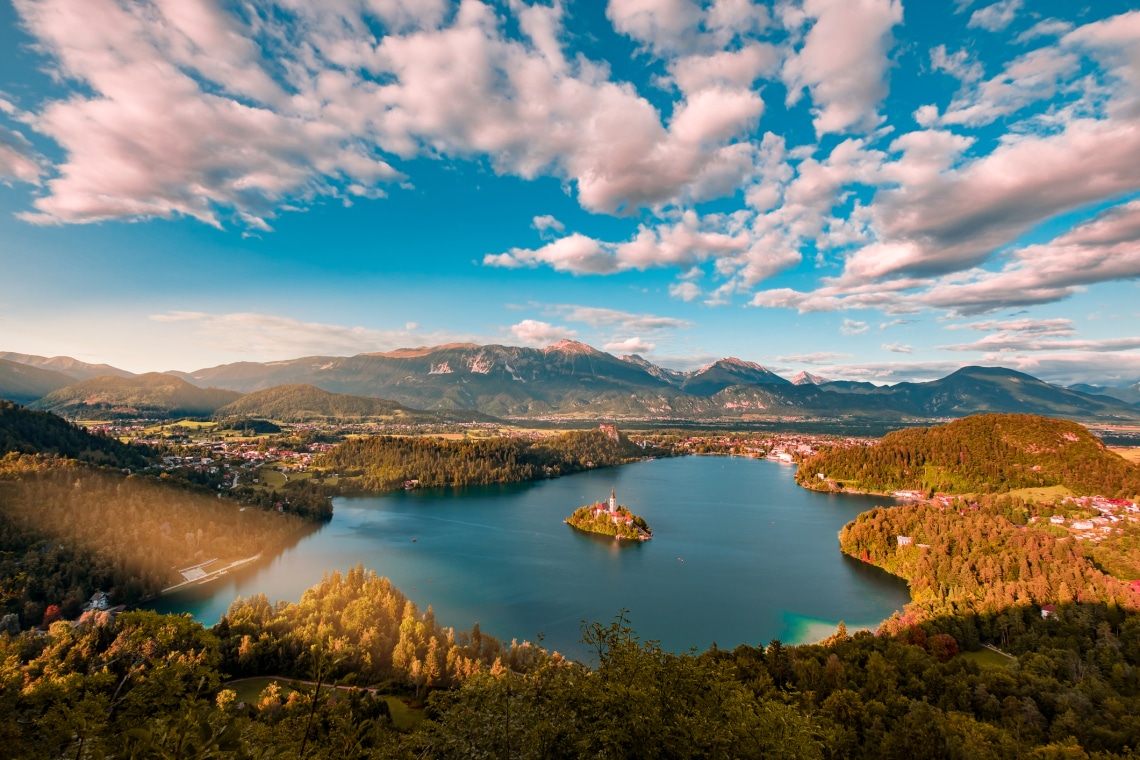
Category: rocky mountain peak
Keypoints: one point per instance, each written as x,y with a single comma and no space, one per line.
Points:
807,378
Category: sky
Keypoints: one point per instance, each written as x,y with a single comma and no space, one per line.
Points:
863,189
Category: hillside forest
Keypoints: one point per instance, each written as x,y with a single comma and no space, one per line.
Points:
987,453
381,463
68,531
142,685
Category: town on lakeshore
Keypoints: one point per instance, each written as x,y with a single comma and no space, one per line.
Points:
610,519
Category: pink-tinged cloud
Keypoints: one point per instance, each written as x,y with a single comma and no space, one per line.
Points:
179,111
151,140
271,336
844,63
18,160
1028,79
682,243
671,27
629,346
535,333
995,17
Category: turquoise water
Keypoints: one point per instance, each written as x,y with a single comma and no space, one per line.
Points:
741,554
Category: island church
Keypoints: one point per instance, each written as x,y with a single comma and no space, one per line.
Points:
610,507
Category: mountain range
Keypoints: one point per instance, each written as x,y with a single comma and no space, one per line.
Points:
149,395
1129,393
568,380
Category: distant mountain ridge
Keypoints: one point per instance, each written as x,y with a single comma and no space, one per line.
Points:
149,395
1130,394
566,381
308,403
24,383
73,368
573,380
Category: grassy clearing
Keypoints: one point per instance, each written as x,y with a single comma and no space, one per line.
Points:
1044,494
249,689
988,658
196,426
404,718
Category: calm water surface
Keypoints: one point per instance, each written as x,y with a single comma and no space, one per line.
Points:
741,554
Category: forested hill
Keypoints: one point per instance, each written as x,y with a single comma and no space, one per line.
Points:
24,431
976,561
384,462
306,403
23,384
68,531
149,395
988,453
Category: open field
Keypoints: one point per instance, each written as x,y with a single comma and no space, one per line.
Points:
1131,453
1041,494
267,477
987,658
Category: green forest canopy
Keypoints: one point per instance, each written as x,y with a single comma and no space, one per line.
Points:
987,453
385,462
144,685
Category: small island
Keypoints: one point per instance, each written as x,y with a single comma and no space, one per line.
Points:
610,519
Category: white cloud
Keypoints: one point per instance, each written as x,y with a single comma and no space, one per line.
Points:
995,17
853,327
18,160
1100,250
547,223
1033,77
182,108
689,240
575,253
1039,327
937,222
1049,27
1003,342
843,62
669,27
603,317
1035,335
466,90
270,336
724,68
664,25
152,140
686,291
960,65
819,357
535,333
630,346
897,348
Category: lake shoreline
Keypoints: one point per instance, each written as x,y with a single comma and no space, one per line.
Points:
489,554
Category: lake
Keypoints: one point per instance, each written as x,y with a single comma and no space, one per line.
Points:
740,554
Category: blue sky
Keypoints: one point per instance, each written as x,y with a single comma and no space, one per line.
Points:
862,189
